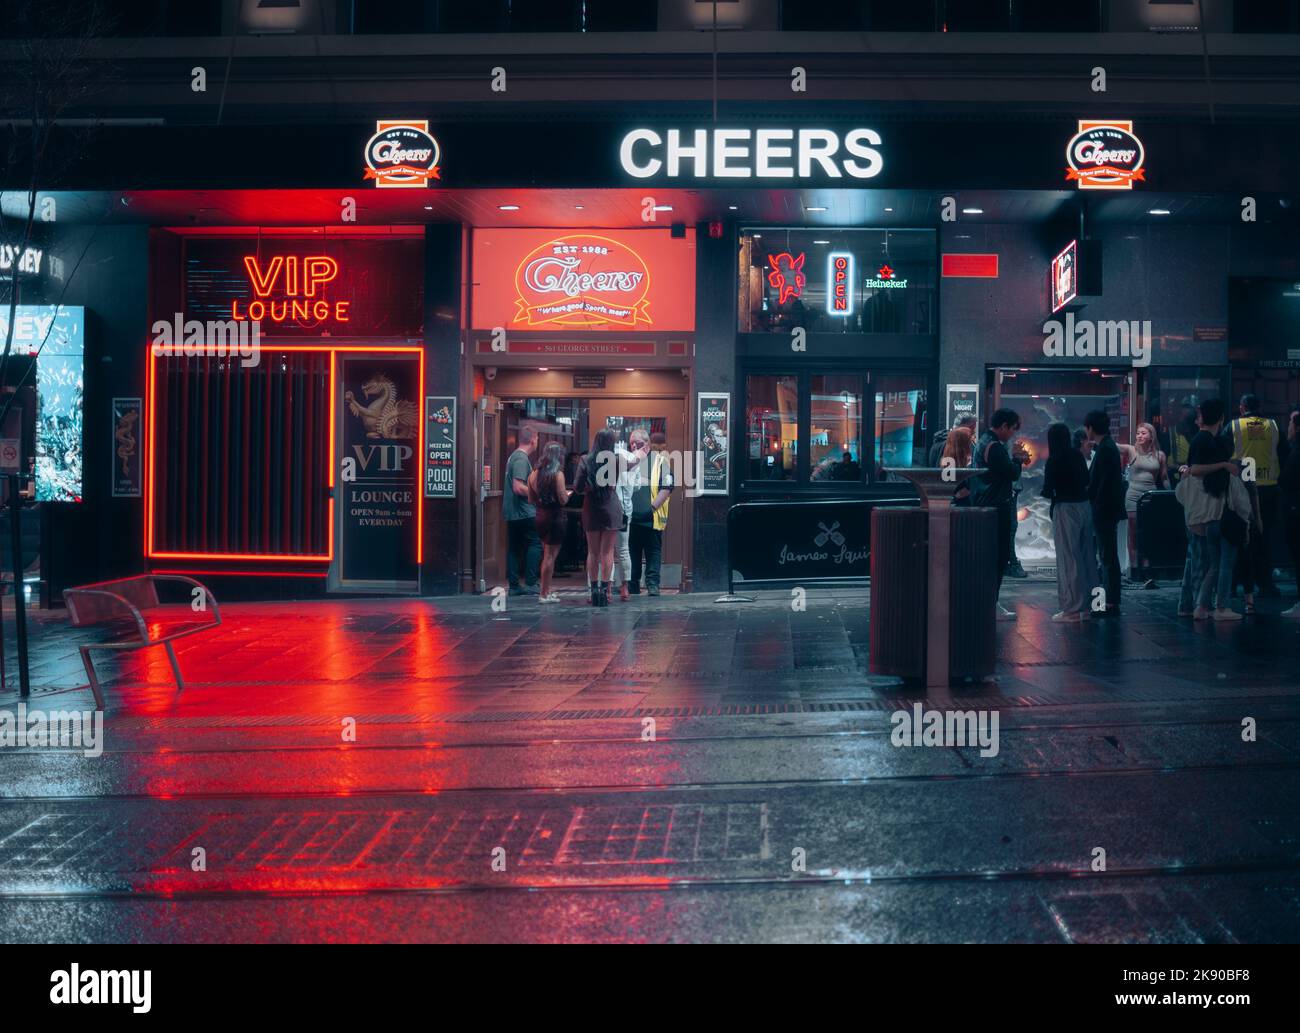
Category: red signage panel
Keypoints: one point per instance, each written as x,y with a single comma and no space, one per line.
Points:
556,280
976,266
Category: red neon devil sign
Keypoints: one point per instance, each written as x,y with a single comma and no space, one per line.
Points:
291,288
787,275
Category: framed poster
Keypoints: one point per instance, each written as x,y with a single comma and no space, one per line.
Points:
963,400
440,447
712,427
378,459
128,482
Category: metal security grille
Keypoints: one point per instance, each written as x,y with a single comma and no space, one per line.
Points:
241,454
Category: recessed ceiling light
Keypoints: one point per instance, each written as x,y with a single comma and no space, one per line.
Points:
1158,211
758,236
629,369
815,208
663,208
543,369
972,211
579,207
508,207
732,207
428,207
821,241
889,209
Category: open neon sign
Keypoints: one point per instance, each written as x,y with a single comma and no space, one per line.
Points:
839,279
291,289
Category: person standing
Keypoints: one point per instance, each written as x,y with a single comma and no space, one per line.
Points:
959,447
1147,471
650,516
1106,493
1204,491
546,491
1288,485
1001,471
1256,437
602,514
1065,483
967,423
523,547
628,463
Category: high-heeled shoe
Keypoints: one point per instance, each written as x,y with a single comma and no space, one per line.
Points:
602,593
595,593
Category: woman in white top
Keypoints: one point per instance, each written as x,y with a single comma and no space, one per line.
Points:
1147,471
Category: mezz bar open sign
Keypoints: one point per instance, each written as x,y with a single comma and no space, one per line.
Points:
379,470
548,280
308,287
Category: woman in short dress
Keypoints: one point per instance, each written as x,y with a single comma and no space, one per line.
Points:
602,513
546,491
1146,472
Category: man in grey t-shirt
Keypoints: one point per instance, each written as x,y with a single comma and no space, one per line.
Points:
523,547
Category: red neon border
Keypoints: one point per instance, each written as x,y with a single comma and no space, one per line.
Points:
333,350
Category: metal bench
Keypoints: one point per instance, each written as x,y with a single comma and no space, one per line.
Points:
131,609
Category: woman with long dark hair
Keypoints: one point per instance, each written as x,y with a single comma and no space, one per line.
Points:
1065,483
546,491
602,513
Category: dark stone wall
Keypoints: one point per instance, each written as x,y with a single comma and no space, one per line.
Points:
102,537
1174,275
442,363
715,370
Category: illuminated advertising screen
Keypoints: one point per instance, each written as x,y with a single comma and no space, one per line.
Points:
56,334
1064,284
563,280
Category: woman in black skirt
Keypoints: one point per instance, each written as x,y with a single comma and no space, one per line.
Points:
546,491
602,513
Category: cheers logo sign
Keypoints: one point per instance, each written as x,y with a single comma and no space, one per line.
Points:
402,153
1105,155
582,280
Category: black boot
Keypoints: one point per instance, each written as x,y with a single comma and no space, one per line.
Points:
595,593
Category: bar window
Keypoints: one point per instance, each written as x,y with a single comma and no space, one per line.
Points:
900,422
835,429
772,426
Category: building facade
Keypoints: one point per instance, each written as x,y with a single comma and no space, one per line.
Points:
321,295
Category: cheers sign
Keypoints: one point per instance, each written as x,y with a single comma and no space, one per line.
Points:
582,280
402,154
1105,156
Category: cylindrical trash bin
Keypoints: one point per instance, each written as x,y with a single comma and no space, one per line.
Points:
898,538
973,591
899,566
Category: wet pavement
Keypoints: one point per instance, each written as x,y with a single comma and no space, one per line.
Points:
665,769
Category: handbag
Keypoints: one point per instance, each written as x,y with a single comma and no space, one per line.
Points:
1235,531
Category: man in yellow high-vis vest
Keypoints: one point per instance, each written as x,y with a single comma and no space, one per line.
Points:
1255,437
650,516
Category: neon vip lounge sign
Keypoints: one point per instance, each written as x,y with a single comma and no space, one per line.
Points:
751,153
291,289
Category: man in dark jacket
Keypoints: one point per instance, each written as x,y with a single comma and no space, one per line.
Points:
1001,471
941,439
1106,493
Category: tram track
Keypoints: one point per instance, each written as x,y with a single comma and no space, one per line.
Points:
660,883
594,740
966,775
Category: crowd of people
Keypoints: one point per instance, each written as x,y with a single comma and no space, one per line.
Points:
623,492
1235,479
